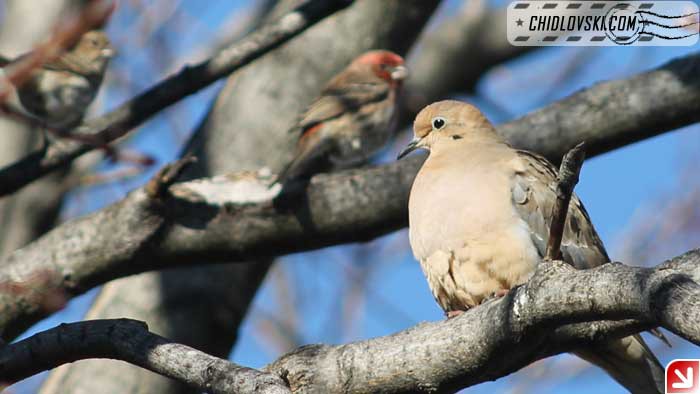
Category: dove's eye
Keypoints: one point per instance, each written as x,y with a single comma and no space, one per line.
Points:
438,122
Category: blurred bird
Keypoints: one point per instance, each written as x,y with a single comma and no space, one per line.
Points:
58,93
479,214
351,120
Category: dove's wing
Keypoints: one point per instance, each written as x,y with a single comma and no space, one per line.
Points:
629,360
534,198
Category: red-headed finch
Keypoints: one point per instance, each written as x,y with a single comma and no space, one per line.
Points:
351,120
59,92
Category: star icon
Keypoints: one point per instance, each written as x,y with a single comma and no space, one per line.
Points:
519,22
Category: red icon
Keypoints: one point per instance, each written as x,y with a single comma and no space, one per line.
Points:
682,376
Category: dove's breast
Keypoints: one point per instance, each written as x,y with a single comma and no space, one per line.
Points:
464,230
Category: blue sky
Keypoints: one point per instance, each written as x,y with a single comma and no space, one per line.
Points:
615,187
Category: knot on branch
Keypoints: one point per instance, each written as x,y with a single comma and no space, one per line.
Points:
298,367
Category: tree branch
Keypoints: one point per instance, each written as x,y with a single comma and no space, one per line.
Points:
565,183
559,310
130,341
612,114
234,218
116,124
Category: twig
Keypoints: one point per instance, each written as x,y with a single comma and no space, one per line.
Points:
190,79
566,181
130,341
120,174
160,183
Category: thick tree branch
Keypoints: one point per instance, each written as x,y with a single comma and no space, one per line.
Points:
614,113
116,124
559,310
233,218
130,341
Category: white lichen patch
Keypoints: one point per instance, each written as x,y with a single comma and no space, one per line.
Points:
249,187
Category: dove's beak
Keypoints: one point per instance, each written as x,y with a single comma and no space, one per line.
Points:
413,145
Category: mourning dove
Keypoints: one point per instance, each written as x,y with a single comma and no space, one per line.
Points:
479,215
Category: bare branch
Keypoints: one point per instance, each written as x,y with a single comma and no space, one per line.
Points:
130,341
234,218
116,124
559,310
565,183
614,113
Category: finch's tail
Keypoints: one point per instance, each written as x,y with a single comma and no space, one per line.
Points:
311,158
629,361
298,168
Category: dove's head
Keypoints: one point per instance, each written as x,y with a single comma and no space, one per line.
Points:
446,123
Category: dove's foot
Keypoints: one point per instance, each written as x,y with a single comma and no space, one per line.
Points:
451,314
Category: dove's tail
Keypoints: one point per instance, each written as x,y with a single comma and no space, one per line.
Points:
629,361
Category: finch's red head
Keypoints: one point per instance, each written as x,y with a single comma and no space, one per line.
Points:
385,64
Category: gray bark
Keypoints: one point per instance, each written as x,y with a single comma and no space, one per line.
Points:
560,309
130,341
614,113
546,316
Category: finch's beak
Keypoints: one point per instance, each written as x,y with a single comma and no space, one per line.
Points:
399,73
108,53
413,145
